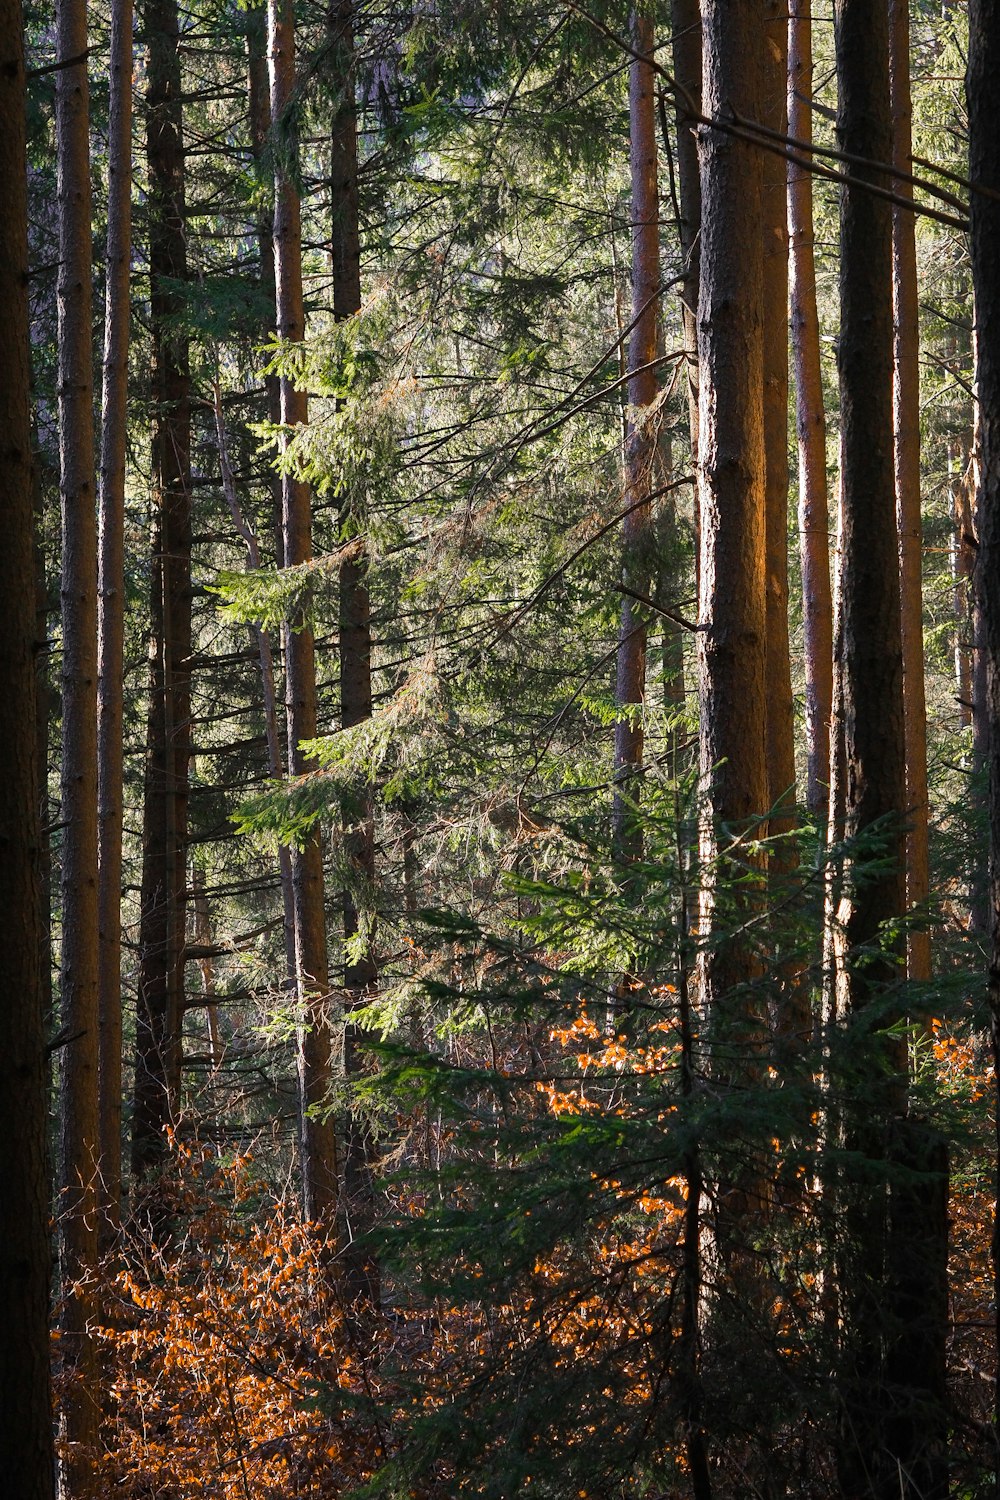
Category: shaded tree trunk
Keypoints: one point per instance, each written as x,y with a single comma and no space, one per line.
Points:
906,406
686,22
168,744
111,611
780,714
813,508
984,170
79,1166
319,1156
26,1461
871,682
963,553
360,973
640,452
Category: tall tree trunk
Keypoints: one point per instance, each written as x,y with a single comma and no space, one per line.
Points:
25,1399
916,1362
984,170
164,872
963,554
906,404
874,747
319,1156
780,713
686,57
793,1014
80,1167
260,126
686,22
814,518
640,453
265,654
361,973
111,611
732,624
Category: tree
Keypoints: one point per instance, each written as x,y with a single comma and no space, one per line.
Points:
79,1170
984,170
813,509
354,620
906,408
111,609
168,729
884,1444
643,385
25,1398
319,1160
731,477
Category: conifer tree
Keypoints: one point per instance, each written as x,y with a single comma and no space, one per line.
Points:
26,1459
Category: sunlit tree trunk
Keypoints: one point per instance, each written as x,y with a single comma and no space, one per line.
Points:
25,1400
640,453
916,1362
79,1167
111,609
168,744
319,1156
260,126
813,507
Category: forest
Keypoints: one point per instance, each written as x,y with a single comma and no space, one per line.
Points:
500,748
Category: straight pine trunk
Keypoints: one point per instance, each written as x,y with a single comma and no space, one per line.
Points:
813,508
984,170
79,1165
111,611
26,1460
260,126
871,684
962,568
319,1155
640,450
686,58
732,620
906,406
780,713
168,743
361,973
686,20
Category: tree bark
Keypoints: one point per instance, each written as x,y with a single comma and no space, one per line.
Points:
79,1166
813,508
319,1156
361,973
732,620
984,170
906,406
780,712
963,554
26,1460
686,20
111,611
871,671
640,451
168,753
